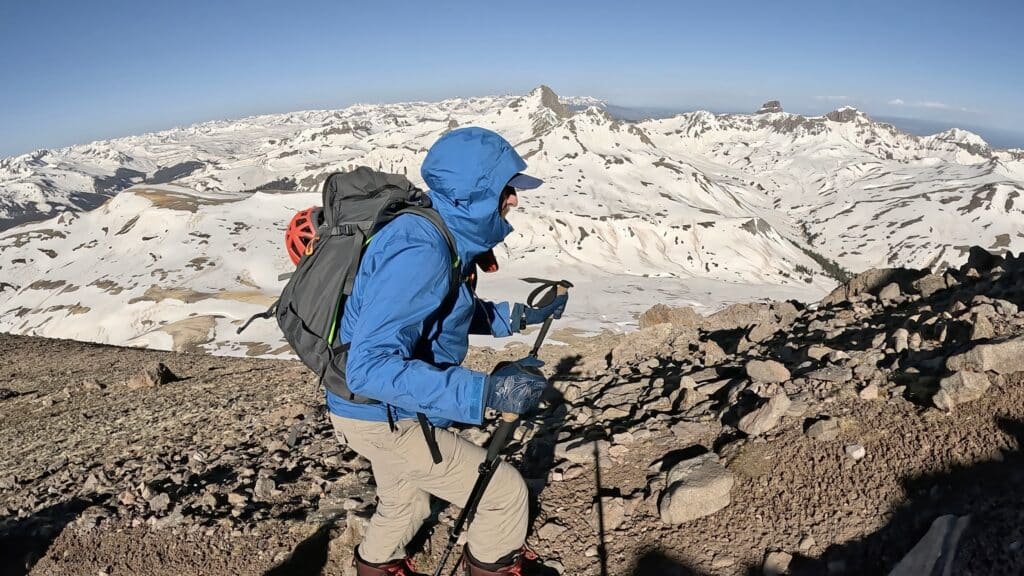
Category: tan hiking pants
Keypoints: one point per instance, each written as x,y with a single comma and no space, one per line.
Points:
406,476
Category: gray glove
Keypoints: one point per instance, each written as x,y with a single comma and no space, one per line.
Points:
514,387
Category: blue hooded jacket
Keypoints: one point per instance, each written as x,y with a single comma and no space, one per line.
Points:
401,353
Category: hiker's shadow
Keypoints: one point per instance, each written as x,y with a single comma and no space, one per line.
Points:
988,491
23,542
657,563
538,454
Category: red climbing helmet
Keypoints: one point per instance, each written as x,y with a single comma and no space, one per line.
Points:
301,233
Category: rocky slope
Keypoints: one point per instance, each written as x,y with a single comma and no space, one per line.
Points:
766,438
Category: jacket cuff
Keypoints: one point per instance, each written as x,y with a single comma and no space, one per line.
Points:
479,399
516,319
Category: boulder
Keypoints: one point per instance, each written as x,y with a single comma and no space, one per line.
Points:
683,316
891,291
936,551
1003,357
767,371
695,488
766,416
154,375
959,388
825,429
871,282
658,341
930,284
740,315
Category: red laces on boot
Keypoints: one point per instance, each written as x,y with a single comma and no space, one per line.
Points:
525,553
406,568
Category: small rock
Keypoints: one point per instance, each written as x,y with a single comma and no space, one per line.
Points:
7,393
981,328
806,543
826,429
155,375
722,561
572,472
855,451
713,353
237,499
776,563
590,552
837,356
550,530
624,438
900,340
767,371
209,500
582,452
695,488
869,392
618,451
264,488
555,565
613,510
92,385
160,502
831,374
818,351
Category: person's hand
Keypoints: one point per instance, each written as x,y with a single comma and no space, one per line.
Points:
523,315
514,387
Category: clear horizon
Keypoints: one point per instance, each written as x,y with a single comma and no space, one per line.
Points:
121,68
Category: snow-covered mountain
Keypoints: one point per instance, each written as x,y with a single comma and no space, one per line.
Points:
698,209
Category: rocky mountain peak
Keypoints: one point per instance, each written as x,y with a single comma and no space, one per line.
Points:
548,99
770,107
844,114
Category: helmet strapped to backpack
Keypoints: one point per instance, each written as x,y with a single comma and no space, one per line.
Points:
355,205
300,236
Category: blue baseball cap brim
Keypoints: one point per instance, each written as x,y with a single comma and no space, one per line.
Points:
524,182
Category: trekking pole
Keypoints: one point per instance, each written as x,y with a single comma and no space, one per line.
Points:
493,458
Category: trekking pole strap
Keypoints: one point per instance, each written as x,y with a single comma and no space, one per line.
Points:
549,289
265,315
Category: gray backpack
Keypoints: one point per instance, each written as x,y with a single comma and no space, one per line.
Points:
355,206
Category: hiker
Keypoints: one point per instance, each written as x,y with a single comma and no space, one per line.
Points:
407,339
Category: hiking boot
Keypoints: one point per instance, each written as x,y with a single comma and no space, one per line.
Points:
402,567
524,563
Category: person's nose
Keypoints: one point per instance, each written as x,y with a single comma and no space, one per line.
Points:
512,201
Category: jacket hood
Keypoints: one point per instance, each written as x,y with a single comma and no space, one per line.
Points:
466,170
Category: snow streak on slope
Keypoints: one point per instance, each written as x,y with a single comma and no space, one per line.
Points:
697,209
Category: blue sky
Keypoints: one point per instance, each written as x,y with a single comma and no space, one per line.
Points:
72,72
